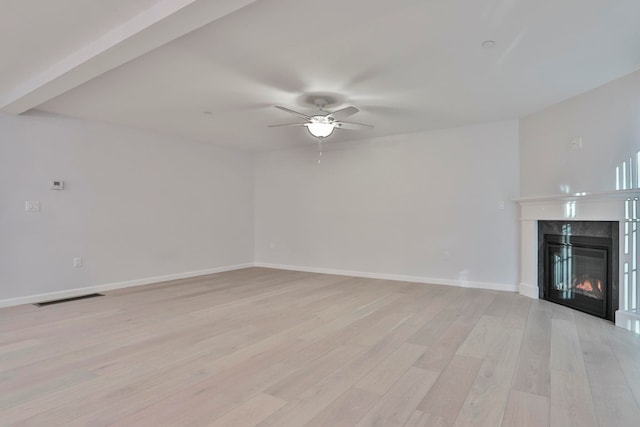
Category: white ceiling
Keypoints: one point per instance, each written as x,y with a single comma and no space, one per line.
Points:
409,65
34,34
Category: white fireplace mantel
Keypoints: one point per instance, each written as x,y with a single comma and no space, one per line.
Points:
606,206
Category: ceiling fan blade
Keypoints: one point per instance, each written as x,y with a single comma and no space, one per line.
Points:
352,126
304,116
288,124
344,113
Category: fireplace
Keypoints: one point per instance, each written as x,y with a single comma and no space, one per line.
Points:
578,262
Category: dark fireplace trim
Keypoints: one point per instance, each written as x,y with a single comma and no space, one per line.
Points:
600,229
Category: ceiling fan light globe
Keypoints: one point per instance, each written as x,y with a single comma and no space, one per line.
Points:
320,130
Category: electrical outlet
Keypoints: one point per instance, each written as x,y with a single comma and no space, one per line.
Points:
77,261
576,143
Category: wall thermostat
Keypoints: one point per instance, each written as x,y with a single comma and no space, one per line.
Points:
56,184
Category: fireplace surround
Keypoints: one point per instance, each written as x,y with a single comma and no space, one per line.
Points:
621,207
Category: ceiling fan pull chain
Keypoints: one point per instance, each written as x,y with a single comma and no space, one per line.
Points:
319,151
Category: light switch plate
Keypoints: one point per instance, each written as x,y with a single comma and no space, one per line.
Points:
32,206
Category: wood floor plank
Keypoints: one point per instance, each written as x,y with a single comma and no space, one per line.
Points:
381,378
446,397
420,419
326,391
280,348
571,403
482,338
625,347
346,410
518,312
613,398
250,413
315,399
303,379
526,410
397,406
445,311
566,351
486,402
440,353
532,374
197,401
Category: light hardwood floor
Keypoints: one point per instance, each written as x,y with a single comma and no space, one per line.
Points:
261,347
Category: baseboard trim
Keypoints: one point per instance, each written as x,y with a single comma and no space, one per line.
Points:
118,285
30,299
397,277
528,290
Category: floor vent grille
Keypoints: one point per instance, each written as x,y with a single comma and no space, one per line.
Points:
59,301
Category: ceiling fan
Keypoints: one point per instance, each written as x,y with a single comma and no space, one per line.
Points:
322,124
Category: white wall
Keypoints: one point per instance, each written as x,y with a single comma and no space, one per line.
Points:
421,205
607,119
136,205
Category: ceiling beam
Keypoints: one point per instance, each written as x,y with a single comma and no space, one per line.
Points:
165,21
